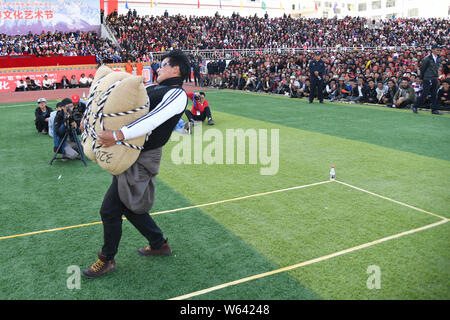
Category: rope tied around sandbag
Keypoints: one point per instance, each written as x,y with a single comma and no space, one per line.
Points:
89,130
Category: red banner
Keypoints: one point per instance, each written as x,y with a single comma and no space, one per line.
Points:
10,77
8,80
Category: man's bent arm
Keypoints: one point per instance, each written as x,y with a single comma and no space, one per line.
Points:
173,102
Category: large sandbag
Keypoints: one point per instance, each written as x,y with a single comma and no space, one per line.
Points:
115,99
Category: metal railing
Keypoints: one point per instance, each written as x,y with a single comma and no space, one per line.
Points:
214,54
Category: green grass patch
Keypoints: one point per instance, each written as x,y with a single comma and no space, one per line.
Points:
422,133
390,152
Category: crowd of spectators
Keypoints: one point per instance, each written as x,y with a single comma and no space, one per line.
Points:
392,50
58,43
356,76
139,35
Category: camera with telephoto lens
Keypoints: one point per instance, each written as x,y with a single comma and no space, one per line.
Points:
73,115
197,97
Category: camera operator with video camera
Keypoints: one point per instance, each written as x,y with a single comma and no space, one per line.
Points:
200,110
65,122
78,109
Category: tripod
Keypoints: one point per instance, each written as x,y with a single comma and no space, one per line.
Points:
74,137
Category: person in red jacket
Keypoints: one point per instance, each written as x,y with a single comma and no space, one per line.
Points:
200,110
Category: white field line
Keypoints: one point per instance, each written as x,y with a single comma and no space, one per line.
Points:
243,197
306,263
170,210
17,105
329,256
392,200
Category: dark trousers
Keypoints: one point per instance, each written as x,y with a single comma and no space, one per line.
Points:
41,125
111,212
197,78
316,85
154,75
205,114
430,87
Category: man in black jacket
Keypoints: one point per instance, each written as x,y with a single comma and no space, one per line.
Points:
42,115
429,73
388,98
132,192
371,92
63,124
317,71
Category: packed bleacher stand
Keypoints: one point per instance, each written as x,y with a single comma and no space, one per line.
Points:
392,49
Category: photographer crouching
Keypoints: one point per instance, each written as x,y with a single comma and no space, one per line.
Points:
67,124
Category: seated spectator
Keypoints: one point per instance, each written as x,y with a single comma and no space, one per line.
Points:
345,90
381,91
205,81
443,95
73,82
217,82
294,86
331,90
90,79
21,85
371,92
251,82
83,82
240,81
355,94
392,89
31,84
405,95
282,86
307,89
65,82
42,115
47,84
267,85
259,86
362,90
51,120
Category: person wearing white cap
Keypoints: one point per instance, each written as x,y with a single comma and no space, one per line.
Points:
294,86
42,115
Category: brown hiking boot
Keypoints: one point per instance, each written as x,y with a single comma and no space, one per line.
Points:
100,267
164,250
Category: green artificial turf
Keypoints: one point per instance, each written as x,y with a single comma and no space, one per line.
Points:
393,153
422,133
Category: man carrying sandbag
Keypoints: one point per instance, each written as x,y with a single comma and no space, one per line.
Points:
132,192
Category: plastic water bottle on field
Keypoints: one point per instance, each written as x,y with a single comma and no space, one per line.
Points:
332,173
